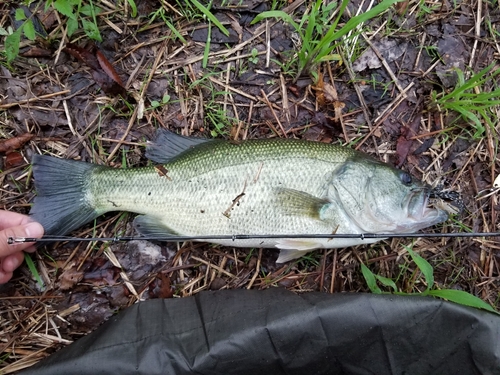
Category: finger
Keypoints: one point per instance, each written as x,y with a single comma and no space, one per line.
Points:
5,276
11,262
30,249
28,230
12,219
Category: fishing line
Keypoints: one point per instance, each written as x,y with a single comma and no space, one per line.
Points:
234,237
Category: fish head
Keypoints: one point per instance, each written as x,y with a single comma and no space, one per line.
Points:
379,198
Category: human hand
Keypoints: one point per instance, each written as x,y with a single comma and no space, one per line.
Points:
11,256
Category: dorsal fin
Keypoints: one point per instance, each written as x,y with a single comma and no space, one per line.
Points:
168,145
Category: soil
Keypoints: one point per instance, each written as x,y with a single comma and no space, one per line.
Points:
101,102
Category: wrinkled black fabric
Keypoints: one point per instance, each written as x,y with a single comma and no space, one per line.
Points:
278,332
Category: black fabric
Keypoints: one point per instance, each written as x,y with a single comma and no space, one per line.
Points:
278,332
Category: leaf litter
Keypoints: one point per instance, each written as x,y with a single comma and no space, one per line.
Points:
377,101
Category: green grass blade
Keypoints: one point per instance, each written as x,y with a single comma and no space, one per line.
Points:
463,298
32,268
279,14
176,32
323,47
387,282
370,279
210,16
476,80
207,46
424,266
133,8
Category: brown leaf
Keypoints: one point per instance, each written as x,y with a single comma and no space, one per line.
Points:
69,278
165,289
83,55
401,7
294,89
37,52
319,89
13,159
11,144
108,68
102,71
107,84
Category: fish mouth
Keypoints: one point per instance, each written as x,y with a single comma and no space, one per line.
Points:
420,212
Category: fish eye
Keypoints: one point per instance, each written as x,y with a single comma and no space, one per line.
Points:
405,178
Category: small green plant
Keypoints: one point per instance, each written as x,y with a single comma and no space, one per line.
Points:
77,12
472,106
13,37
254,58
457,296
193,9
317,42
164,100
216,118
162,13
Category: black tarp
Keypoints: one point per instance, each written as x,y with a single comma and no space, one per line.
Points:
278,332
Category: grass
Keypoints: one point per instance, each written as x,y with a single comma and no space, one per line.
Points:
458,296
471,100
318,41
79,14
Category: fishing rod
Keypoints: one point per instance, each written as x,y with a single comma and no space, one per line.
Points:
234,237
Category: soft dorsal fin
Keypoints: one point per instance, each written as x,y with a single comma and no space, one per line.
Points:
168,145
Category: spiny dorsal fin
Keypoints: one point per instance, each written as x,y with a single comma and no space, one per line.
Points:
299,203
168,145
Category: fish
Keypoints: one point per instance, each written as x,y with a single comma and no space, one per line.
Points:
198,187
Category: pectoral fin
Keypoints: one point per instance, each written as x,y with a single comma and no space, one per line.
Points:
299,203
151,226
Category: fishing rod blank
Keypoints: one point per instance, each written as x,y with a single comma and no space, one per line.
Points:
234,237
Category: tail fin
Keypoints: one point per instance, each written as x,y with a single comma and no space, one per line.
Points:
61,204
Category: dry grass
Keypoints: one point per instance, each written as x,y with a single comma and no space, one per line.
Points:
379,111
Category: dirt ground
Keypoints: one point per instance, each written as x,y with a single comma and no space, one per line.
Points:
55,99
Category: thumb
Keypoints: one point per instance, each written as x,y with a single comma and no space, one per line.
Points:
31,230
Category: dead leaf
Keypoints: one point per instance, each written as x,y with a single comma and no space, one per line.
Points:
13,159
389,49
319,89
108,68
330,92
294,89
82,55
37,52
235,24
15,143
165,289
70,278
401,7
102,71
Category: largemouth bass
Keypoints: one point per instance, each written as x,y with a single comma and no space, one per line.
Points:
216,187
